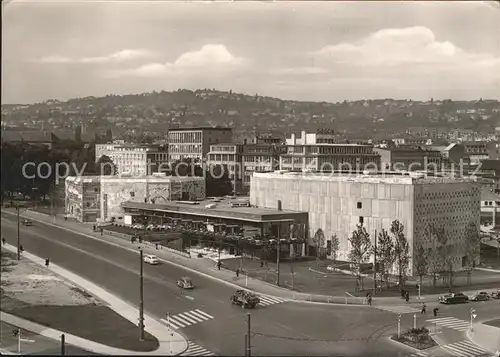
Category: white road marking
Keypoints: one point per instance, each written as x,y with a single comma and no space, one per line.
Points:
187,318
189,297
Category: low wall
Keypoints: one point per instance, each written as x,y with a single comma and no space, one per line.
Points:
488,337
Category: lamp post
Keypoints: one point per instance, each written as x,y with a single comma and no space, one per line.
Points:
473,315
18,235
375,264
399,325
141,304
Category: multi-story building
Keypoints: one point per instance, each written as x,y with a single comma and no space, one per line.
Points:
490,207
136,159
330,157
91,198
147,189
31,137
337,203
409,158
320,137
228,156
194,143
259,158
82,198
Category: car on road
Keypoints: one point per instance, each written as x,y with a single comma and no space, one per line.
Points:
245,299
480,296
151,259
185,283
453,298
27,222
495,294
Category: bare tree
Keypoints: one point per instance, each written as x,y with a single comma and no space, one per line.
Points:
421,262
385,255
319,241
444,252
472,249
335,245
361,250
401,251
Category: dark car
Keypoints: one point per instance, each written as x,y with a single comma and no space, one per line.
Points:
481,296
27,222
245,299
454,298
495,294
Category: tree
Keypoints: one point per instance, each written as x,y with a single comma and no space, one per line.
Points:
472,249
385,255
421,262
360,251
401,251
335,245
319,241
435,265
105,166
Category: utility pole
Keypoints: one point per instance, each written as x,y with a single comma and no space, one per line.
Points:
375,264
249,344
63,346
278,246
141,304
18,235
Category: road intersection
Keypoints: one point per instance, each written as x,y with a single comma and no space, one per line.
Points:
205,315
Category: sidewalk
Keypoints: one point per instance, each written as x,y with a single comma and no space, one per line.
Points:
486,336
207,268
170,342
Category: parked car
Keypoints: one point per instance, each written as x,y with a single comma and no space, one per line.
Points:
151,227
245,299
453,298
480,296
27,222
185,283
151,259
495,294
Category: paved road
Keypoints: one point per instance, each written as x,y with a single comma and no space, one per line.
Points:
205,315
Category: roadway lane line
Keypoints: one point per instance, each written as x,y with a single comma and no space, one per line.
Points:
204,314
183,318
189,297
172,325
193,316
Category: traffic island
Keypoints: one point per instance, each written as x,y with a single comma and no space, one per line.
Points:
418,338
34,293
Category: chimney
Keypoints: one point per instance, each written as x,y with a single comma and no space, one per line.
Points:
244,141
303,134
279,205
293,139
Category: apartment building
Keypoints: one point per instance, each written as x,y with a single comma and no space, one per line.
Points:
409,158
136,159
194,143
337,203
82,198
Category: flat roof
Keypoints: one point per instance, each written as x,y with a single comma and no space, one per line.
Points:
221,210
118,179
200,128
372,177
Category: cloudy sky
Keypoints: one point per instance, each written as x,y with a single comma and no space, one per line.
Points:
327,51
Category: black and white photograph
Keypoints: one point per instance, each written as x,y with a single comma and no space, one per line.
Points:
250,178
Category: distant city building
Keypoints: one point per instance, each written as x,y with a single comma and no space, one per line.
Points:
136,159
228,156
409,158
194,143
490,207
320,137
30,137
338,203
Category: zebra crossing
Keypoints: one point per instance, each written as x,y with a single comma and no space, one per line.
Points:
268,300
465,349
196,350
186,319
419,354
399,309
451,322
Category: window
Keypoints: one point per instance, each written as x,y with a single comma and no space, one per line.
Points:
360,205
361,219
132,194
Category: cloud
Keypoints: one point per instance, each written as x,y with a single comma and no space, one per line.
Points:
210,58
116,57
392,47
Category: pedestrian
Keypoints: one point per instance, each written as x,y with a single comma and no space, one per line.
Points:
102,231
21,248
423,309
94,228
403,293
47,262
407,297
369,300
261,263
237,272
3,240
156,245
219,264
435,311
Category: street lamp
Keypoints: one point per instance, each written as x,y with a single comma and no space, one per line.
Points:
141,304
399,325
18,235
